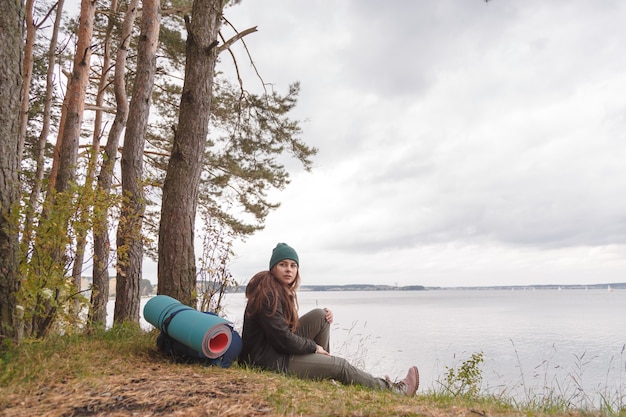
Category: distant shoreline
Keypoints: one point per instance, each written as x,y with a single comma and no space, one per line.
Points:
372,287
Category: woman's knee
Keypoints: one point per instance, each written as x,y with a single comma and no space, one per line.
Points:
317,314
315,318
313,325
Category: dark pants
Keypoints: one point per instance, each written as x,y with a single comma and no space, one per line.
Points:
313,325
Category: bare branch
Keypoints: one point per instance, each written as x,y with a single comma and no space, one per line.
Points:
39,24
256,70
235,38
176,11
95,107
230,51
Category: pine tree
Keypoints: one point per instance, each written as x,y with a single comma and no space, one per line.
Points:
11,39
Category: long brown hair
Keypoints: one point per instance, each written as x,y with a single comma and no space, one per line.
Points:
265,289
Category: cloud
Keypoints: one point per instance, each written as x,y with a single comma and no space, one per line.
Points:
460,141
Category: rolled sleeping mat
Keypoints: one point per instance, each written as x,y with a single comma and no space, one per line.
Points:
206,333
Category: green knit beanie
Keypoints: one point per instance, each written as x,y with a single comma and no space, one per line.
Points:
283,251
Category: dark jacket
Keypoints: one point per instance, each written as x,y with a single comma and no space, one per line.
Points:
268,342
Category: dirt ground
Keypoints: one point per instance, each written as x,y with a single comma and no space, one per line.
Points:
144,393
161,388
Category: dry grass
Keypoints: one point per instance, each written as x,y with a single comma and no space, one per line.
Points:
123,375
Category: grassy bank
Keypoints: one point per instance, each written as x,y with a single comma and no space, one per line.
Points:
120,373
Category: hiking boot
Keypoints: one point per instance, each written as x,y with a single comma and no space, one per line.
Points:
408,386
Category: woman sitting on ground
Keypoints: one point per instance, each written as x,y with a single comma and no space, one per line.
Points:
275,338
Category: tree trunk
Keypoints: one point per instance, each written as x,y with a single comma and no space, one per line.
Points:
100,285
177,263
11,50
31,208
31,30
81,234
129,237
76,92
64,168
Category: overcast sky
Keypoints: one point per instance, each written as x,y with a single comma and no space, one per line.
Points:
460,142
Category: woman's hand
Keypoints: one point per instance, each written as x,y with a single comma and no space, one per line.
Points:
329,316
321,350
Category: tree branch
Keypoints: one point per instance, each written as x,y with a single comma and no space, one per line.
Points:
235,38
40,23
95,107
249,56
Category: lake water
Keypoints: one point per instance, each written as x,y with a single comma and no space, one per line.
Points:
567,344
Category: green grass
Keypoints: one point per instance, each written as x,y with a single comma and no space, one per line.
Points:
120,371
